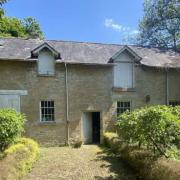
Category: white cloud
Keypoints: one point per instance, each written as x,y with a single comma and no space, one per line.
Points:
109,23
134,32
128,35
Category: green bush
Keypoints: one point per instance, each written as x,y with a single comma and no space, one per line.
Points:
156,128
11,127
108,137
19,158
144,162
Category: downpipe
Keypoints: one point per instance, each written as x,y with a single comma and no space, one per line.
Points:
67,102
167,87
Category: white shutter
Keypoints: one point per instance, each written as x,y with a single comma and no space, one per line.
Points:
123,75
46,63
10,102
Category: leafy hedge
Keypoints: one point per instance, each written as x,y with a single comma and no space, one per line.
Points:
11,127
157,128
144,162
18,159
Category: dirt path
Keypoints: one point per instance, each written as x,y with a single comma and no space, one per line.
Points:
87,163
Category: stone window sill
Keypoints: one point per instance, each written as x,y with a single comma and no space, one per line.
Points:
46,75
118,89
47,123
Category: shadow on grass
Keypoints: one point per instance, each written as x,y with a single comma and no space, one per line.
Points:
116,166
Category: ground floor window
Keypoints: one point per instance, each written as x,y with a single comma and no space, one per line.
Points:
47,111
174,103
123,106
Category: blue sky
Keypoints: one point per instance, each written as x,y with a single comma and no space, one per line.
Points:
105,21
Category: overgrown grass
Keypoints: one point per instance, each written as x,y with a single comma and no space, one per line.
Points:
18,159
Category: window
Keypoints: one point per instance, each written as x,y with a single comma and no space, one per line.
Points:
174,103
123,106
47,111
123,75
46,62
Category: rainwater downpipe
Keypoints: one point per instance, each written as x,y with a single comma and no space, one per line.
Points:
67,102
167,87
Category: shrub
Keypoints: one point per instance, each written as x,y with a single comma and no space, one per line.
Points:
144,162
11,127
156,127
108,137
19,158
78,144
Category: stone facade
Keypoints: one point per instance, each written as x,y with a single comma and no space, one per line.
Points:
90,90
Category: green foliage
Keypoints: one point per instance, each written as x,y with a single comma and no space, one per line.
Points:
156,127
32,28
22,155
1,10
160,26
14,27
144,162
108,137
11,127
11,27
111,140
2,2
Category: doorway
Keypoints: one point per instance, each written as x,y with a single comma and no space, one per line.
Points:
91,127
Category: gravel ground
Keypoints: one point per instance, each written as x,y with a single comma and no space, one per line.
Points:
87,163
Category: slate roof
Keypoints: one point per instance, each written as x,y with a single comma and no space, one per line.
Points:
85,52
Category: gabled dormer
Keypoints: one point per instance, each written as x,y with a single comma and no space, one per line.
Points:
47,56
124,76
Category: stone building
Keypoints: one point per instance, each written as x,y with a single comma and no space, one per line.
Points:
74,90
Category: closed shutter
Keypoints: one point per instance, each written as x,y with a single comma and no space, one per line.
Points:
46,63
10,101
123,75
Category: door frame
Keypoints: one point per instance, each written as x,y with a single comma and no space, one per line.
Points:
101,123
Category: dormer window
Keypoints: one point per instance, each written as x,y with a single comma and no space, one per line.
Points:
124,75
124,68
46,56
46,62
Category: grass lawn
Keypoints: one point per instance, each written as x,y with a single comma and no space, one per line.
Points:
86,163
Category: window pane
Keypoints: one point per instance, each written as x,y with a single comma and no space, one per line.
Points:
174,103
47,110
123,106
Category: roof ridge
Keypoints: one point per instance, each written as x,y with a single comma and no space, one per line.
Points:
84,42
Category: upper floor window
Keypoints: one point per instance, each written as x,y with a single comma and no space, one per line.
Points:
124,68
46,62
124,75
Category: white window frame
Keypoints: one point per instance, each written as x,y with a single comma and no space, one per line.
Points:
46,107
174,102
124,108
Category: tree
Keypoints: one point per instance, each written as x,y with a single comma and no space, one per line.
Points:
32,28
2,2
14,27
160,26
11,27
1,10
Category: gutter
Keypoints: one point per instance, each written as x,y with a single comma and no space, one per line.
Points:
67,102
167,87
